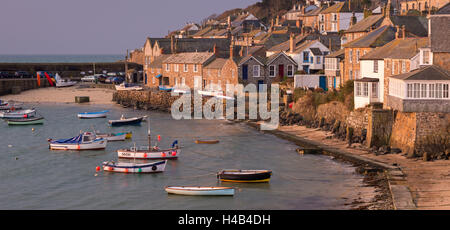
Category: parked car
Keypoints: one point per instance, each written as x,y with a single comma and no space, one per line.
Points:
4,74
90,78
109,80
22,74
102,78
117,80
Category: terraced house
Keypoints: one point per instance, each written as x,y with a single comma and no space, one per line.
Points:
339,17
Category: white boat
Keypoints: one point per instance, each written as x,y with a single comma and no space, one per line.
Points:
84,141
88,115
126,86
112,136
26,113
144,153
63,82
217,94
200,191
131,167
127,121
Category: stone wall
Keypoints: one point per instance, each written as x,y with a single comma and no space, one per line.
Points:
8,86
379,127
419,105
358,120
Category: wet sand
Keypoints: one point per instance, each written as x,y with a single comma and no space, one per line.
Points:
62,95
428,182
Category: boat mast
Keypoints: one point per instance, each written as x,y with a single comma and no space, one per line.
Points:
149,136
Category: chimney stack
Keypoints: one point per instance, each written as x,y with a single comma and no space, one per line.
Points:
349,5
291,43
232,47
403,31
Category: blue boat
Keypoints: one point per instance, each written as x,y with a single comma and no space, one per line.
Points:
164,88
100,114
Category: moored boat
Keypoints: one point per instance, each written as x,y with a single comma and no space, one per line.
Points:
248,176
63,82
206,141
131,167
200,191
127,121
84,141
145,153
127,86
112,136
18,113
88,115
26,121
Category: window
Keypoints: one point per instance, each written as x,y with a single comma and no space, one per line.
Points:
416,90
176,68
350,74
357,56
375,66
403,67
431,90
272,71
365,91
409,90
185,67
167,67
392,68
358,88
334,17
445,91
423,91
183,81
290,70
438,90
256,71
195,68
305,56
350,56
318,60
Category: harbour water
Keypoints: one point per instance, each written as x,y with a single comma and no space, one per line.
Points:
34,177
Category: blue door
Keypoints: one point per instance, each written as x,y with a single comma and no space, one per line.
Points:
323,82
334,82
145,79
244,72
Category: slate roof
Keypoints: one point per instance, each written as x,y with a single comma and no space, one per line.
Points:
341,7
157,62
378,37
316,51
416,25
397,49
338,54
217,63
194,45
444,10
366,23
432,73
440,34
189,58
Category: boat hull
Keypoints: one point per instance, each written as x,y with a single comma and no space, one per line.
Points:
131,121
155,167
207,142
38,121
92,115
95,145
113,137
143,154
200,191
245,176
18,114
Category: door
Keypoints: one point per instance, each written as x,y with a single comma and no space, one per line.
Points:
260,82
334,82
281,71
323,82
306,69
244,72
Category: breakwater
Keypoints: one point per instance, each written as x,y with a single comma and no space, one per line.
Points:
15,86
69,70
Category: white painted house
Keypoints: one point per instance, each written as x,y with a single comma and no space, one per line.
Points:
309,56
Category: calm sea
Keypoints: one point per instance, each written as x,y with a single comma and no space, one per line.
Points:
34,177
59,58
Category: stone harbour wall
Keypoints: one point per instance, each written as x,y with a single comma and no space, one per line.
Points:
15,86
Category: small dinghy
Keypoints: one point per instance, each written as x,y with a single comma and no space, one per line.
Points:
131,167
112,136
18,113
206,141
84,141
26,121
255,176
87,115
63,82
128,86
200,191
127,121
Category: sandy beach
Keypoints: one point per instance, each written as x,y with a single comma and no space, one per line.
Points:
62,95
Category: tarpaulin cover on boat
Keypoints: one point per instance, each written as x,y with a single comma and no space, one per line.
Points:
73,140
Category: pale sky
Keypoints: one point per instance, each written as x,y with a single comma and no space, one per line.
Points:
97,26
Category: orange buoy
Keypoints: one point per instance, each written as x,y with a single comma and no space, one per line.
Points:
159,138
97,168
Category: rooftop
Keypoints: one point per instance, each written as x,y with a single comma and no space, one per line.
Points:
189,58
397,49
431,72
